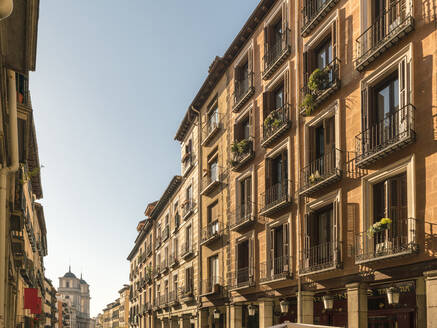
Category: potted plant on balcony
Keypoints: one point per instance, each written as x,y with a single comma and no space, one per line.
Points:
272,120
314,177
317,81
379,226
308,104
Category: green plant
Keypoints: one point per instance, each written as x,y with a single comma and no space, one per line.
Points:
273,120
314,177
379,226
240,147
318,79
308,103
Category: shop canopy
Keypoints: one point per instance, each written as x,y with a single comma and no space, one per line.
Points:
299,325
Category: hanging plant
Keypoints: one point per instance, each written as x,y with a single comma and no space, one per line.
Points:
308,104
379,226
318,80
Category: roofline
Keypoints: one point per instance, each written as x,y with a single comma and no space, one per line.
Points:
221,64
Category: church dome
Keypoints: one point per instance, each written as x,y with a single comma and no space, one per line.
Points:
69,274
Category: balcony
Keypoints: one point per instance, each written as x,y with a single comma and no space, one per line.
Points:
149,249
213,287
187,293
383,138
212,232
275,270
242,278
275,54
386,31
313,12
210,182
320,258
163,300
177,222
319,85
242,153
275,198
187,208
211,128
187,163
275,125
165,233
321,172
187,250
157,242
173,259
173,298
157,271
398,239
149,307
164,266
244,89
242,217
17,243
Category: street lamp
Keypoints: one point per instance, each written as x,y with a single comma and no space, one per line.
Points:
393,295
284,306
251,309
216,314
328,302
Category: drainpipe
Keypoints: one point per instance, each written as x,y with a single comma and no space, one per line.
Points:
6,7
299,232
4,172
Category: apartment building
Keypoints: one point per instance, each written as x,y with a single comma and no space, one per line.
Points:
124,307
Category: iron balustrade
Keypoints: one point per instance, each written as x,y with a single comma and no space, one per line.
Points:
243,90
212,285
173,296
187,248
393,23
188,289
276,52
243,277
187,162
399,238
243,214
173,258
331,83
209,181
277,268
187,207
212,125
385,136
165,233
275,123
212,230
163,299
319,257
320,169
164,265
275,195
240,158
313,12
149,249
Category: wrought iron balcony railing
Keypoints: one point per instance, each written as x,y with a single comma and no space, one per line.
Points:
242,216
242,153
313,12
275,198
242,278
330,83
399,238
186,293
213,286
386,31
395,131
173,259
211,181
213,231
276,53
320,172
244,89
173,297
276,269
149,249
211,127
164,265
187,249
165,233
187,208
275,124
177,221
320,257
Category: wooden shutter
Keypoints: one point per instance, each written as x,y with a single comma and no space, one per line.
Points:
335,225
251,259
236,132
251,125
237,267
285,246
267,98
284,24
266,40
307,238
334,39
305,66
284,169
272,251
250,66
248,194
268,173
287,96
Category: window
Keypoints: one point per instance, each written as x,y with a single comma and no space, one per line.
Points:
276,180
22,84
244,260
188,238
321,146
21,139
213,169
68,284
212,215
175,283
242,129
245,197
213,270
189,276
279,249
390,199
213,118
319,228
176,215
189,194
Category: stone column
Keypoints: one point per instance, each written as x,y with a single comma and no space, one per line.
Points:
305,308
204,318
420,302
236,316
431,297
184,322
357,305
265,312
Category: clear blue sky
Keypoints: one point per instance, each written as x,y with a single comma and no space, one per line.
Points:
113,81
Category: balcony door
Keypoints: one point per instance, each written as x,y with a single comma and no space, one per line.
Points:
242,261
322,145
318,248
212,215
213,118
276,178
323,54
278,253
213,271
278,96
213,169
245,198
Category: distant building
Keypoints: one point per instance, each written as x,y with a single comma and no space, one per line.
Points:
77,292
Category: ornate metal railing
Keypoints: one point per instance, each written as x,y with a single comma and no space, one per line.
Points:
243,214
173,296
213,285
212,231
330,84
242,151
313,12
397,239
385,31
243,277
276,53
319,257
187,249
165,233
276,122
275,196
187,207
394,131
277,268
243,90
320,170
211,126
173,258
